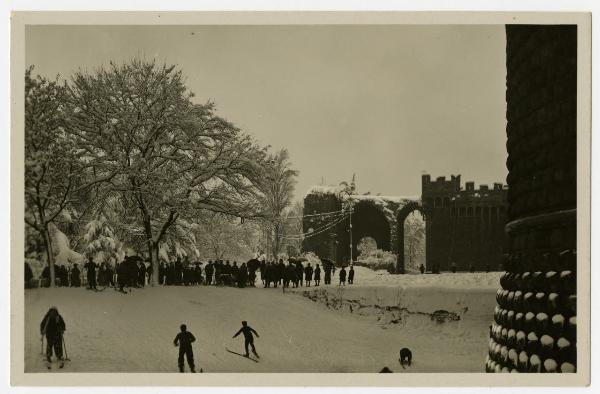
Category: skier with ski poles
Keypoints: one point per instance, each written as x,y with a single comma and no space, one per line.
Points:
53,326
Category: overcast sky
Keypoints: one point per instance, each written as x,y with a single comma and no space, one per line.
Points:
385,102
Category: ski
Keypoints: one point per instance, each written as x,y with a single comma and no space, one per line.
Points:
241,355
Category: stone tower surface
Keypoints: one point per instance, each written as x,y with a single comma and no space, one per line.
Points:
464,226
535,321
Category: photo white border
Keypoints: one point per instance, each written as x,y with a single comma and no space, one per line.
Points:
19,20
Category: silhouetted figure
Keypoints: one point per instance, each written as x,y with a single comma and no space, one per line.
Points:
53,327
405,356
75,276
248,338
242,275
208,273
308,274
90,268
422,268
184,340
343,276
317,275
327,274
351,275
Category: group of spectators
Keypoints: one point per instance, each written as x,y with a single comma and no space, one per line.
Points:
133,271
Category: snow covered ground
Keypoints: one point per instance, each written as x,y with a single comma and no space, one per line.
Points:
113,332
447,280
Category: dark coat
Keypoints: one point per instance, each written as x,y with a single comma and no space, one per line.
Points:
52,324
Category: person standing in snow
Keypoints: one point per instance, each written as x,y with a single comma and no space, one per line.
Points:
90,268
53,327
327,274
351,275
308,274
317,275
184,340
248,338
422,268
343,276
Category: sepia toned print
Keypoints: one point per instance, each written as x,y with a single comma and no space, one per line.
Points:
368,198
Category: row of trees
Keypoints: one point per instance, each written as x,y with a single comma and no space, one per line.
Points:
124,155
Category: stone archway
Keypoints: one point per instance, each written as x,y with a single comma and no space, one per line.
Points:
400,218
368,220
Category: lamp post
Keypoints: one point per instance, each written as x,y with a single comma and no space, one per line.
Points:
351,249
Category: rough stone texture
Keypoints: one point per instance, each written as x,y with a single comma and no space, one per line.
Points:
535,322
465,226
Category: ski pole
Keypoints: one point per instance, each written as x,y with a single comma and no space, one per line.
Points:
65,347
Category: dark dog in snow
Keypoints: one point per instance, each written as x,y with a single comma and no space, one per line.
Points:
405,356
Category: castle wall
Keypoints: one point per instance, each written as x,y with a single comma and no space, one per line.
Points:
464,226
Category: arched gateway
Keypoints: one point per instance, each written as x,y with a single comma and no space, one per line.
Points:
400,219
464,226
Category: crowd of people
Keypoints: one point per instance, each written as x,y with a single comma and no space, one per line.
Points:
133,271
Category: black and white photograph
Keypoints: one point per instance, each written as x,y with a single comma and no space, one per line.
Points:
307,197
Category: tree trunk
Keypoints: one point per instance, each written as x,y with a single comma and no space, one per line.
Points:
49,254
276,241
154,261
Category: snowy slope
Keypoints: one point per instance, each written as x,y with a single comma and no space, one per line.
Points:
113,332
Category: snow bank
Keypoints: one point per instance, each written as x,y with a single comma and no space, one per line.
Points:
462,280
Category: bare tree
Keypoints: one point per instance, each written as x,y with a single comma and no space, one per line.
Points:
218,234
277,190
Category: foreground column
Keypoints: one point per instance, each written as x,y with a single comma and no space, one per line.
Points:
535,321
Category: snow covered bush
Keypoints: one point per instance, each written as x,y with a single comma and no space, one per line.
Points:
313,259
377,259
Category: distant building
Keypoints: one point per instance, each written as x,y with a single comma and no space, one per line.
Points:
463,226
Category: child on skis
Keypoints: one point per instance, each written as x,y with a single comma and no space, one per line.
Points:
248,338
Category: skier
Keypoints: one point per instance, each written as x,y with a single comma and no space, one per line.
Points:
184,340
343,276
351,275
317,275
53,326
422,268
248,338
90,267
